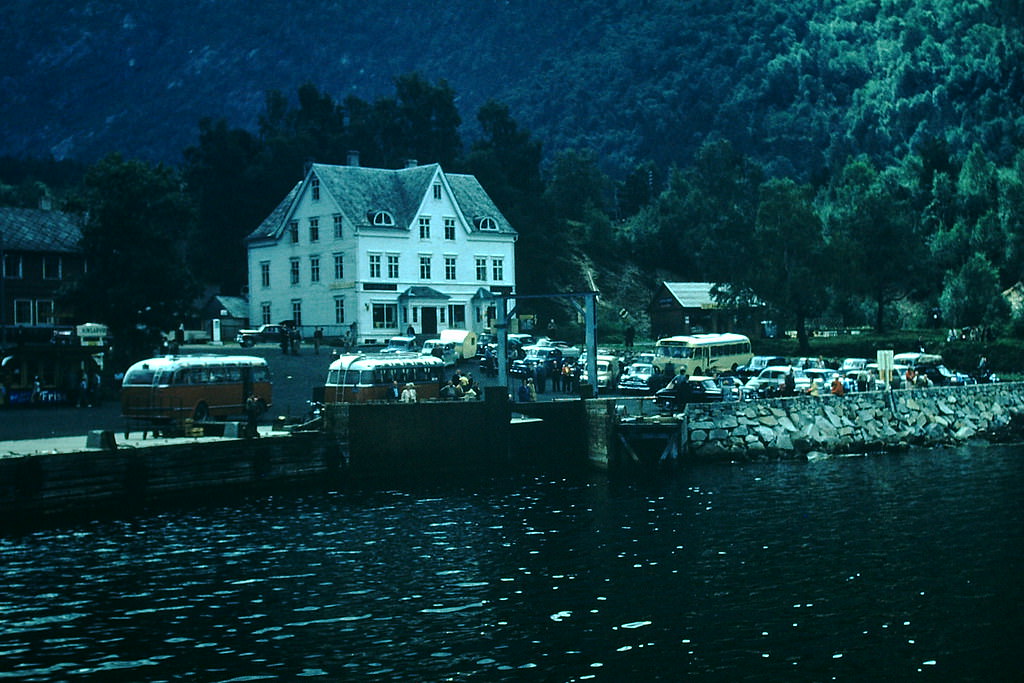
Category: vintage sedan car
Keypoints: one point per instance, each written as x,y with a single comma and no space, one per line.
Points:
695,389
770,382
759,363
640,378
547,357
262,334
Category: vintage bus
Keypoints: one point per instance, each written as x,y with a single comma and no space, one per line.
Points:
367,377
702,354
170,389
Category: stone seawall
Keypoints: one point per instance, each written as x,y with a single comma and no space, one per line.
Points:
859,422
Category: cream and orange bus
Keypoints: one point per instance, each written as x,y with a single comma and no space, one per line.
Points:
361,378
170,389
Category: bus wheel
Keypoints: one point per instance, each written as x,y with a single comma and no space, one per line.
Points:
201,412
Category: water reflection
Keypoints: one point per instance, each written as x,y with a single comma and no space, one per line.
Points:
883,567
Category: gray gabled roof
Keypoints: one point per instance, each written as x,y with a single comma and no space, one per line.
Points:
39,230
275,220
692,294
236,306
424,292
360,192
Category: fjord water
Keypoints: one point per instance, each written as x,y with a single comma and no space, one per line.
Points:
892,567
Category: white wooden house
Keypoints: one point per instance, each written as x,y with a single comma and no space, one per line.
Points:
372,253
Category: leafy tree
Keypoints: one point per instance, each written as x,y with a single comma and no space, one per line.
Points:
133,240
791,271
871,229
231,199
972,296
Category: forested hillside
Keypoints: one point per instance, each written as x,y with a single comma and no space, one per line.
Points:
799,84
844,162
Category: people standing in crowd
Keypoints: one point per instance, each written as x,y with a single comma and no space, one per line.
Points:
394,393
318,338
409,393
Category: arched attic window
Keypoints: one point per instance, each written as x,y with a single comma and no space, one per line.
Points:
486,223
382,218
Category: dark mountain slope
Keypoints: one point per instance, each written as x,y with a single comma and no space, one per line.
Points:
799,84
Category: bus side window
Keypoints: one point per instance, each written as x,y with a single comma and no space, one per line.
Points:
260,373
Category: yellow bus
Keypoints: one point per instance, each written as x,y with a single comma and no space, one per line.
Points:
169,389
702,354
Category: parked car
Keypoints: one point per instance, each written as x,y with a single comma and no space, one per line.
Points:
695,389
642,378
852,365
607,372
548,357
401,345
262,334
770,381
440,349
759,363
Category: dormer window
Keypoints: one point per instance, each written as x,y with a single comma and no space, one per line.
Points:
382,218
486,223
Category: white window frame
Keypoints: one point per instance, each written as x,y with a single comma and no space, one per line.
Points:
339,226
497,268
265,274
392,262
449,229
450,268
339,310
49,262
294,272
314,230
425,264
388,318
314,268
14,267
481,268
265,311
424,223
339,266
375,263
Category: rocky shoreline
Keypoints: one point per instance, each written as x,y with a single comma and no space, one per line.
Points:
809,426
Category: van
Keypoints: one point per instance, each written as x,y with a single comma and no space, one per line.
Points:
607,372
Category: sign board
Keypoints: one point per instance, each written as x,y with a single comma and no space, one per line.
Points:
885,363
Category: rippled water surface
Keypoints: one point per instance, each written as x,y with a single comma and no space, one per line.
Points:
903,567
